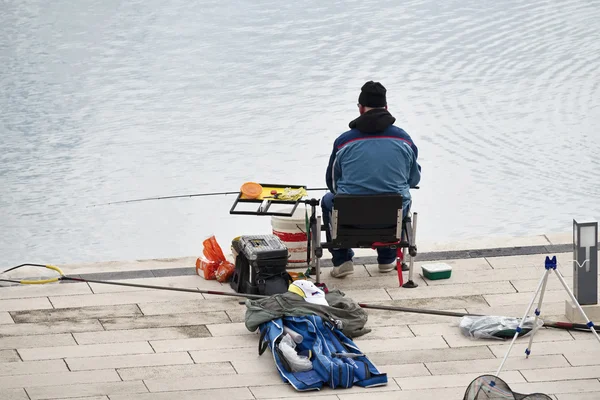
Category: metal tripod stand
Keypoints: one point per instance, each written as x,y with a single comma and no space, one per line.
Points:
550,266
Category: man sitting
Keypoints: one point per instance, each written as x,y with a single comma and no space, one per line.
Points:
373,157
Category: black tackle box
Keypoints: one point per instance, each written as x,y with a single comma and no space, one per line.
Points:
260,265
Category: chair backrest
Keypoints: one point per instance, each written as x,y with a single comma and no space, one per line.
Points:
360,220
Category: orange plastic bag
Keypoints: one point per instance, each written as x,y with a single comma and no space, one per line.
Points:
212,250
213,264
206,268
225,271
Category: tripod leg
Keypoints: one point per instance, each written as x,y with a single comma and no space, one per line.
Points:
590,324
537,314
522,320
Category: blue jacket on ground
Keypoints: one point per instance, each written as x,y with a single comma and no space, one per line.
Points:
373,157
337,361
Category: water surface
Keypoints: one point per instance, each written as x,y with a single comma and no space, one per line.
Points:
108,101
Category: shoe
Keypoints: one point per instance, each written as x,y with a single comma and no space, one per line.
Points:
387,267
341,271
404,267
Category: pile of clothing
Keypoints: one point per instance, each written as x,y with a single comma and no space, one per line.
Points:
309,334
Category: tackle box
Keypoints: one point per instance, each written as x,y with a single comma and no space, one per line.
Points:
260,265
436,271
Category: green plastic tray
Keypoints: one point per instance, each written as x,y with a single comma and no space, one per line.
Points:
436,271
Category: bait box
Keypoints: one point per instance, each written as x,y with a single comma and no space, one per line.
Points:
436,271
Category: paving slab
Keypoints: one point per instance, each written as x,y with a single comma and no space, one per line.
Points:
542,336
136,265
388,332
13,394
427,394
456,380
58,379
85,398
589,356
386,281
88,350
579,396
517,311
478,264
567,373
399,344
406,370
23,342
286,391
43,328
460,289
488,242
438,329
169,320
177,371
68,314
558,387
139,278
9,356
231,329
231,355
308,397
367,295
190,306
392,357
523,299
555,347
108,299
51,289
5,318
32,367
560,238
86,390
537,261
223,342
216,394
490,275
437,303
34,303
394,318
142,334
210,382
491,365
127,361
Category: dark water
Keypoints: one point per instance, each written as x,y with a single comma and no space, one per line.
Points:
108,101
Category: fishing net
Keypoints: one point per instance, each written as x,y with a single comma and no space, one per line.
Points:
488,387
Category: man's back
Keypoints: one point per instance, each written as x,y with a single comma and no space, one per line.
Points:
374,156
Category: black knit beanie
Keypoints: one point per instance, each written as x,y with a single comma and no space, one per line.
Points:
372,94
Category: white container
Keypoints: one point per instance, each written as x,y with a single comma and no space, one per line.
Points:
292,232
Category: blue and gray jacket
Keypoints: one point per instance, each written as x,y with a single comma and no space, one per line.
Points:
373,157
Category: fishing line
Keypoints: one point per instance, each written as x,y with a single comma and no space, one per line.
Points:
184,195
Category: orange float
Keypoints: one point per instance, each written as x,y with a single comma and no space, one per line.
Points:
251,190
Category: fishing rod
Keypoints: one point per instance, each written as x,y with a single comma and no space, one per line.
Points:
551,324
183,195
63,277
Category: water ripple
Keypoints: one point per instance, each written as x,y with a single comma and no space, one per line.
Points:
104,103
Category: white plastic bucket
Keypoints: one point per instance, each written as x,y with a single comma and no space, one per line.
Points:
292,232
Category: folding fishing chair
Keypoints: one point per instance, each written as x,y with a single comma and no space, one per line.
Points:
367,221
